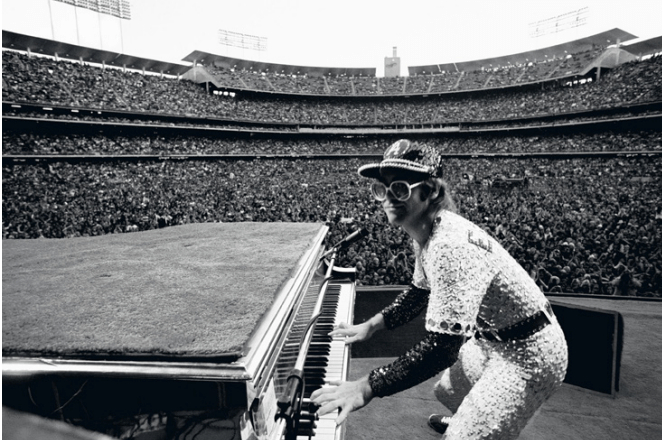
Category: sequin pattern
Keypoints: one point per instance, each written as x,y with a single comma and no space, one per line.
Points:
494,388
408,305
433,354
470,274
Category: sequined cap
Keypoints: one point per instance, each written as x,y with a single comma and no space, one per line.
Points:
407,155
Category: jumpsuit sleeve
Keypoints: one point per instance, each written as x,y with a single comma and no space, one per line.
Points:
436,352
408,305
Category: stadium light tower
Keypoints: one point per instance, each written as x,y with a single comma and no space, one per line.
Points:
242,41
559,23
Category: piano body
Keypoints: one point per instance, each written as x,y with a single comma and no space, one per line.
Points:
65,358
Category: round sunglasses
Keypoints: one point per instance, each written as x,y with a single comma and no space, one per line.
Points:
400,189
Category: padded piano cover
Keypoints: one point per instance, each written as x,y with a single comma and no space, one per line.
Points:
191,291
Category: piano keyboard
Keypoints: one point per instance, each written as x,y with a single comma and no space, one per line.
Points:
328,358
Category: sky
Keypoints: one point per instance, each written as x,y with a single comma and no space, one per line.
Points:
331,33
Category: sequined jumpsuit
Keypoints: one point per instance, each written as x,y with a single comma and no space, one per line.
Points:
464,277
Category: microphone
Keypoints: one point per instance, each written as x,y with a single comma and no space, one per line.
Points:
347,241
351,238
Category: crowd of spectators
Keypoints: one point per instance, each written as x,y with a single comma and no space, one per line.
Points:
145,119
507,75
585,225
590,225
60,143
110,117
430,82
272,82
44,80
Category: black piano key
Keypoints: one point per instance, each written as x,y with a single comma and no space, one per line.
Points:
317,362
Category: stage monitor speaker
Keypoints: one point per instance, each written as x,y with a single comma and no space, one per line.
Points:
595,346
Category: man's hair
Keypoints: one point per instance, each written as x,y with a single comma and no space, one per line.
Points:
443,199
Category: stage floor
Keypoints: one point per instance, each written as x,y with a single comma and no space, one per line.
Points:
572,413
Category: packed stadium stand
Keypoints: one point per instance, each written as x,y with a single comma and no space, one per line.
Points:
100,143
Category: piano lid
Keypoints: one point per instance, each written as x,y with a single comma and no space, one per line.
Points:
196,301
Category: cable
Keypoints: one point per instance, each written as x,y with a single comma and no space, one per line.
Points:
61,407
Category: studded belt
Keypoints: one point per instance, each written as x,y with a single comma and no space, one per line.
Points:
520,330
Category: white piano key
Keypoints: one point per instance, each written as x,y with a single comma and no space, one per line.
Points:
337,366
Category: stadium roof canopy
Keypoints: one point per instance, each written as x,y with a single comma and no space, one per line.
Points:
602,39
644,47
12,40
208,59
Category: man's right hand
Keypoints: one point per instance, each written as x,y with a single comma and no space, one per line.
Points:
358,332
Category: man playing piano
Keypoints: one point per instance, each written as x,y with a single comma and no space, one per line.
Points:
490,331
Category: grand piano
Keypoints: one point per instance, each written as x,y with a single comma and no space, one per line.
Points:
196,331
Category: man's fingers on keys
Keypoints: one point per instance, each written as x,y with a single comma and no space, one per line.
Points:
327,408
351,339
343,416
317,396
340,330
321,395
